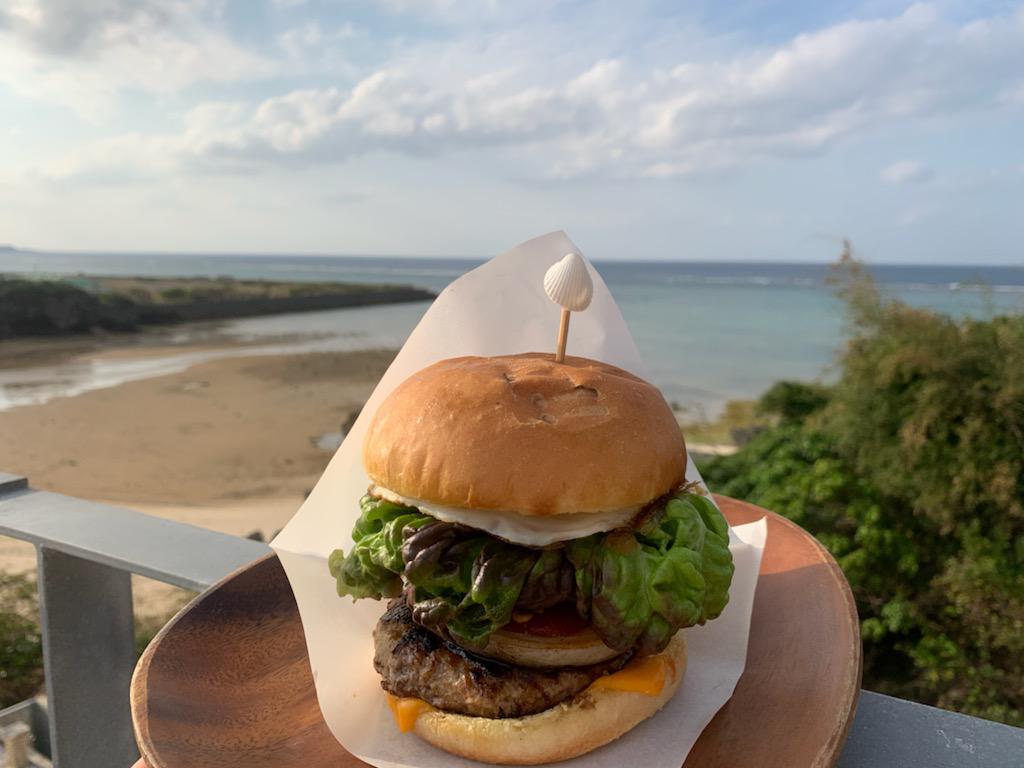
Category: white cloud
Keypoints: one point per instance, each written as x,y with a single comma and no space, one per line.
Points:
85,54
67,28
442,7
1014,94
616,119
910,216
297,41
906,172
310,44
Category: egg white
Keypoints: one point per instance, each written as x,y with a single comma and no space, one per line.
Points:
529,530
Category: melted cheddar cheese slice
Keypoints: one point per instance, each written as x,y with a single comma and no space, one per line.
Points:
641,676
406,710
645,676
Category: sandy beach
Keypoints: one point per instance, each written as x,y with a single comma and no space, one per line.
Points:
228,444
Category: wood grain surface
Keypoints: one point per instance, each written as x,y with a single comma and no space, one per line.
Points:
227,682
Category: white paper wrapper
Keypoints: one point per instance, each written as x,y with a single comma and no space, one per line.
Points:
498,308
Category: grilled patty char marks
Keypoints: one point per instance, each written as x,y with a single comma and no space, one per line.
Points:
412,661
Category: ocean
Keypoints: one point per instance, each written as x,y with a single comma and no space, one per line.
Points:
709,332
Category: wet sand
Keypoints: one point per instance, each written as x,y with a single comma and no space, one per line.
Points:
227,444
40,351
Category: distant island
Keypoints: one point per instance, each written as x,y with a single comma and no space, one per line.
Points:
87,303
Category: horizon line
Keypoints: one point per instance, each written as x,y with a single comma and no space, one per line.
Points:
8,248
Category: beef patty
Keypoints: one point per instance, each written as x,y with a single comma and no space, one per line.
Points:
413,661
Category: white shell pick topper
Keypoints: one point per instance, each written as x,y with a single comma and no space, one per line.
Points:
568,283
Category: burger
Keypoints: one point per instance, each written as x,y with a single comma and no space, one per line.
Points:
531,525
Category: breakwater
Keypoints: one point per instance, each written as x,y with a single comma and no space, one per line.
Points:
222,309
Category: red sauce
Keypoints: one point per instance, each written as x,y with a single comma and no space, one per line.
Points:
559,621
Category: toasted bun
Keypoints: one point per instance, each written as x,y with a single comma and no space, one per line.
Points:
590,720
525,434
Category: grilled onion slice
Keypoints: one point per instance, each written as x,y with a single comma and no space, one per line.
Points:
526,650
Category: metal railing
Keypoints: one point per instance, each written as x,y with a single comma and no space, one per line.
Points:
87,551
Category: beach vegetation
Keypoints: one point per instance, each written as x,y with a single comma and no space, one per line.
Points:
737,422
196,290
86,304
147,625
910,470
21,642
50,308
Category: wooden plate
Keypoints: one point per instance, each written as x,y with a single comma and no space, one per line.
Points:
227,682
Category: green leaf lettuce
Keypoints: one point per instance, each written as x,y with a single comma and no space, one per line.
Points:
636,587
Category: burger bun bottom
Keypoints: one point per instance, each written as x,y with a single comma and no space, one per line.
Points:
591,719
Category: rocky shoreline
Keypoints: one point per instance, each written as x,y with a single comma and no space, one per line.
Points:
83,304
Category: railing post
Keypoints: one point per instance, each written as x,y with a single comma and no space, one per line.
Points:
87,624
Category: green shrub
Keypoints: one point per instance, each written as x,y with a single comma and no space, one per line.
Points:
148,625
21,650
792,401
173,294
50,307
910,471
21,647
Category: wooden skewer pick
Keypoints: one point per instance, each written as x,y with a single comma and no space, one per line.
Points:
563,336
568,284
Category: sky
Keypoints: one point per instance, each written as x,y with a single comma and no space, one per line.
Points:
749,131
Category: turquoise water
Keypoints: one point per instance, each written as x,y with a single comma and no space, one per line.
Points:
709,332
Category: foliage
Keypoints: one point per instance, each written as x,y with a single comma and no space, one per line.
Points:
737,422
21,649
187,290
910,471
56,307
148,625
792,401
46,308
